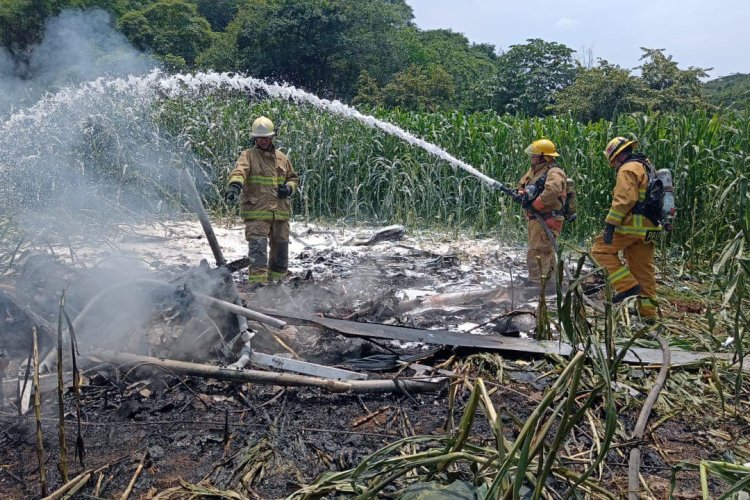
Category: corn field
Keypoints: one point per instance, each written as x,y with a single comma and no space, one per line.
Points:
352,172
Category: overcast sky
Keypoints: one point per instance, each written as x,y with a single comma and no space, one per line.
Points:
703,33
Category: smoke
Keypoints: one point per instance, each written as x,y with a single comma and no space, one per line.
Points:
77,46
82,153
78,145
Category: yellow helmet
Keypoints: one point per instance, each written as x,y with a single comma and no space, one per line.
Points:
262,127
542,147
617,146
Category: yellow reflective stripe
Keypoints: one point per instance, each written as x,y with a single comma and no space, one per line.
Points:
641,194
264,180
291,184
613,221
648,302
266,214
237,178
274,275
257,278
619,274
638,231
614,217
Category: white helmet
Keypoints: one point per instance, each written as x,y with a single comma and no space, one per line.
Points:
262,127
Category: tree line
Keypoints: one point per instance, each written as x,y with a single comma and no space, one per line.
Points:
370,53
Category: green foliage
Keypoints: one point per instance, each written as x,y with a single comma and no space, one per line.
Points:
419,88
368,93
672,89
218,13
319,45
601,92
529,74
471,67
170,28
324,46
22,21
729,91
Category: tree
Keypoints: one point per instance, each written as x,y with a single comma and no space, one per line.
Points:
731,91
368,92
22,22
471,67
530,74
601,92
673,89
319,45
420,88
219,13
173,29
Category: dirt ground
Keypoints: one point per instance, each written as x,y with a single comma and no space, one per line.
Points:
273,439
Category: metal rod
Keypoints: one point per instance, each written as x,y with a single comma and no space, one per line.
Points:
194,200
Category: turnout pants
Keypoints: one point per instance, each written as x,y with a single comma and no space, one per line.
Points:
540,246
262,267
638,268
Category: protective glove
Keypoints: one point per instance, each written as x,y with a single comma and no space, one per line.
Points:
526,202
517,196
609,233
232,194
284,191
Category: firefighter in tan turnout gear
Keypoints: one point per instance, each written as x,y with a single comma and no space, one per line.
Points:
264,181
542,190
627,229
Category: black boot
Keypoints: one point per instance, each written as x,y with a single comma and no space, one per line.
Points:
630,292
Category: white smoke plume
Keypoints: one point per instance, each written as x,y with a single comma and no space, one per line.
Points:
77,46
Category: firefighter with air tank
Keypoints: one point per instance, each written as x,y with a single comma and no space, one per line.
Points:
641,200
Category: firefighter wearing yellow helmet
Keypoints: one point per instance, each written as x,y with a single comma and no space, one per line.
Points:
627,228
263,180
542,191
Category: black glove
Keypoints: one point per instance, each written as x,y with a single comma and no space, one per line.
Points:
284,191
526,202
609,233
232,194
517,196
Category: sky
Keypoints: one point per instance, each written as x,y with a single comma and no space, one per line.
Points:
703,33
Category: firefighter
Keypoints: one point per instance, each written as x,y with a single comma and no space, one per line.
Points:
542,192
264,182
627,229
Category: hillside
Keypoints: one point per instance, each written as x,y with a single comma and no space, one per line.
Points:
731,91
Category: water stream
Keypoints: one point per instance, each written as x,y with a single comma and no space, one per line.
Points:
53,109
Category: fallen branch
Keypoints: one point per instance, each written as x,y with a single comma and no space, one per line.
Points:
70,488
640,426
240,311
270,378
138,471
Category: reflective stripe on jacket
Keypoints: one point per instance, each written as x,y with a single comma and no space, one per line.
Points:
630,188
260,172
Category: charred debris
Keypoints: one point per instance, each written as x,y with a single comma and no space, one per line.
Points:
179,381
